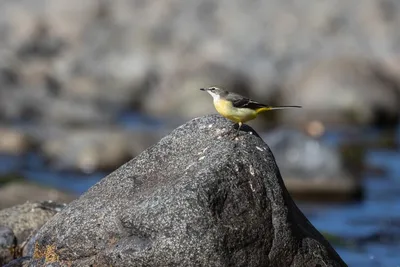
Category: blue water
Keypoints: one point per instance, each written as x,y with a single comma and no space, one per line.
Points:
370,229
366,233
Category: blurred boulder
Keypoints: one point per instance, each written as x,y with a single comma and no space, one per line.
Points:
87,150
345,90
101,57
312,170
13,142
95,149
34,103
196,198
15,193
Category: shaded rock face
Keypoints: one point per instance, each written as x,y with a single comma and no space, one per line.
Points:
7,244
196,198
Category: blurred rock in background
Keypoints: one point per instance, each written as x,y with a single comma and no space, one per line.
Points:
16,193
311,169
74,62
345,90
13,142
95,149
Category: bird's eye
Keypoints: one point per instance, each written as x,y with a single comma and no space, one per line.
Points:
212,89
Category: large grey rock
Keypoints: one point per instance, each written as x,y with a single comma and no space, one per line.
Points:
196,198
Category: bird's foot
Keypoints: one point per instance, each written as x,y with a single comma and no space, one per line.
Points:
235,132
235,135
232,133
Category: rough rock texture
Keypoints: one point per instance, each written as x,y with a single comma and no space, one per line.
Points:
196,198
7,244
18,224
19,262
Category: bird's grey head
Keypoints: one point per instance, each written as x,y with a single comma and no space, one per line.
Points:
215,92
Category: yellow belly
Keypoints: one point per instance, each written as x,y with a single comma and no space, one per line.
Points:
226,109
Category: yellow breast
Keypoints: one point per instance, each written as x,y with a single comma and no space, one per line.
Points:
226,109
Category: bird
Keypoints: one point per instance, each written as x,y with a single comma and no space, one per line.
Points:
237,108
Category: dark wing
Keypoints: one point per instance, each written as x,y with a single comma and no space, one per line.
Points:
239,101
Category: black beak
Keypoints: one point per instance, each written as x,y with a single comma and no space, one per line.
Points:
203,89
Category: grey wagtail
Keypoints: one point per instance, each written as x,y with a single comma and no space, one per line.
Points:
238,108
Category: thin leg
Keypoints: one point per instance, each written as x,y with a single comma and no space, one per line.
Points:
238,130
